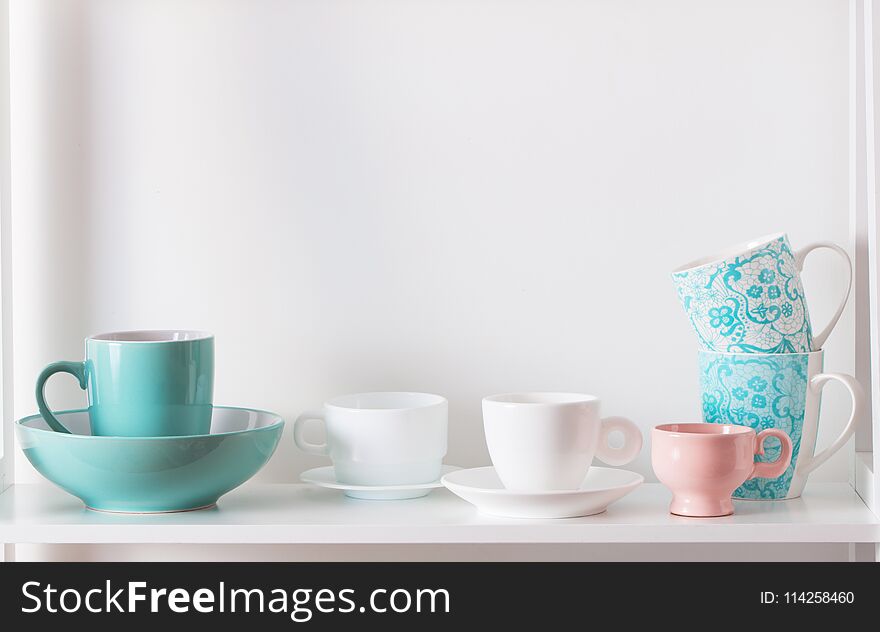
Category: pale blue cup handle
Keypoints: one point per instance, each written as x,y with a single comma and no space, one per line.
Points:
76,369
820,338
299,438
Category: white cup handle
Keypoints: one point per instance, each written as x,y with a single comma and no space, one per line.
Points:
632,441
298,428
799,256
817,383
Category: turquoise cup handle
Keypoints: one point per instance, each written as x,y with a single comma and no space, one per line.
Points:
76,369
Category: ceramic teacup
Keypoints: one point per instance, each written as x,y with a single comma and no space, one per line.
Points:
547,441
381,438
703,463
151,383
777,390
749,298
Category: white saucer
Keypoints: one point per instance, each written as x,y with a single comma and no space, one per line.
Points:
326,477
482,488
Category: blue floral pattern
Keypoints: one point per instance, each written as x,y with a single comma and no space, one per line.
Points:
760,392
721,317
767,276
757,383
752,303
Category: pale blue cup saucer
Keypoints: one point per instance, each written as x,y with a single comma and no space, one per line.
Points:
151,474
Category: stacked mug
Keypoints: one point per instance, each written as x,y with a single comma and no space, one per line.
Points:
761,364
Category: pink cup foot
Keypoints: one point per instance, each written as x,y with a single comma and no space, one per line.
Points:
701,506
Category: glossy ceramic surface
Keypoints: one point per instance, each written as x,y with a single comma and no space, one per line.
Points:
326,477
703,463
142,383
392,438
750,299
151,474
482,488
547,441
782,391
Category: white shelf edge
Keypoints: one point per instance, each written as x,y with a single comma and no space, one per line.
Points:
834,514
864,478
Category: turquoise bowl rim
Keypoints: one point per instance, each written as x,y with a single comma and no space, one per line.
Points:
22,424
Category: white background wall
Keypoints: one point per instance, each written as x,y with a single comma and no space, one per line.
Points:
457,196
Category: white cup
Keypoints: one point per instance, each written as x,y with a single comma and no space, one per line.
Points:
547,441
381,438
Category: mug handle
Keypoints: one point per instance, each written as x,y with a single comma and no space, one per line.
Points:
817,383
299,427
820,338
632,441
773,469
76,369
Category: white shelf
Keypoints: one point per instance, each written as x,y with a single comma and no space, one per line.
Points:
300,514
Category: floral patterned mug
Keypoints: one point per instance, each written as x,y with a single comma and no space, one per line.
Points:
776,390
749,298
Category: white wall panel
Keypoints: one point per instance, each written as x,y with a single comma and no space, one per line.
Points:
458,196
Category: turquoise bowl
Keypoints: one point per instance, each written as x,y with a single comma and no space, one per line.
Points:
151,474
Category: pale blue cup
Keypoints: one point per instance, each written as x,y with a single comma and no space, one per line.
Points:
750,299
142,383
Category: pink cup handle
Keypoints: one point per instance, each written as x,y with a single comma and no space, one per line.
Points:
774,469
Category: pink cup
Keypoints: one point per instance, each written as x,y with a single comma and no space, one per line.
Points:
703,463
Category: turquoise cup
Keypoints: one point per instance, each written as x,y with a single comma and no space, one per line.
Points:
142,383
